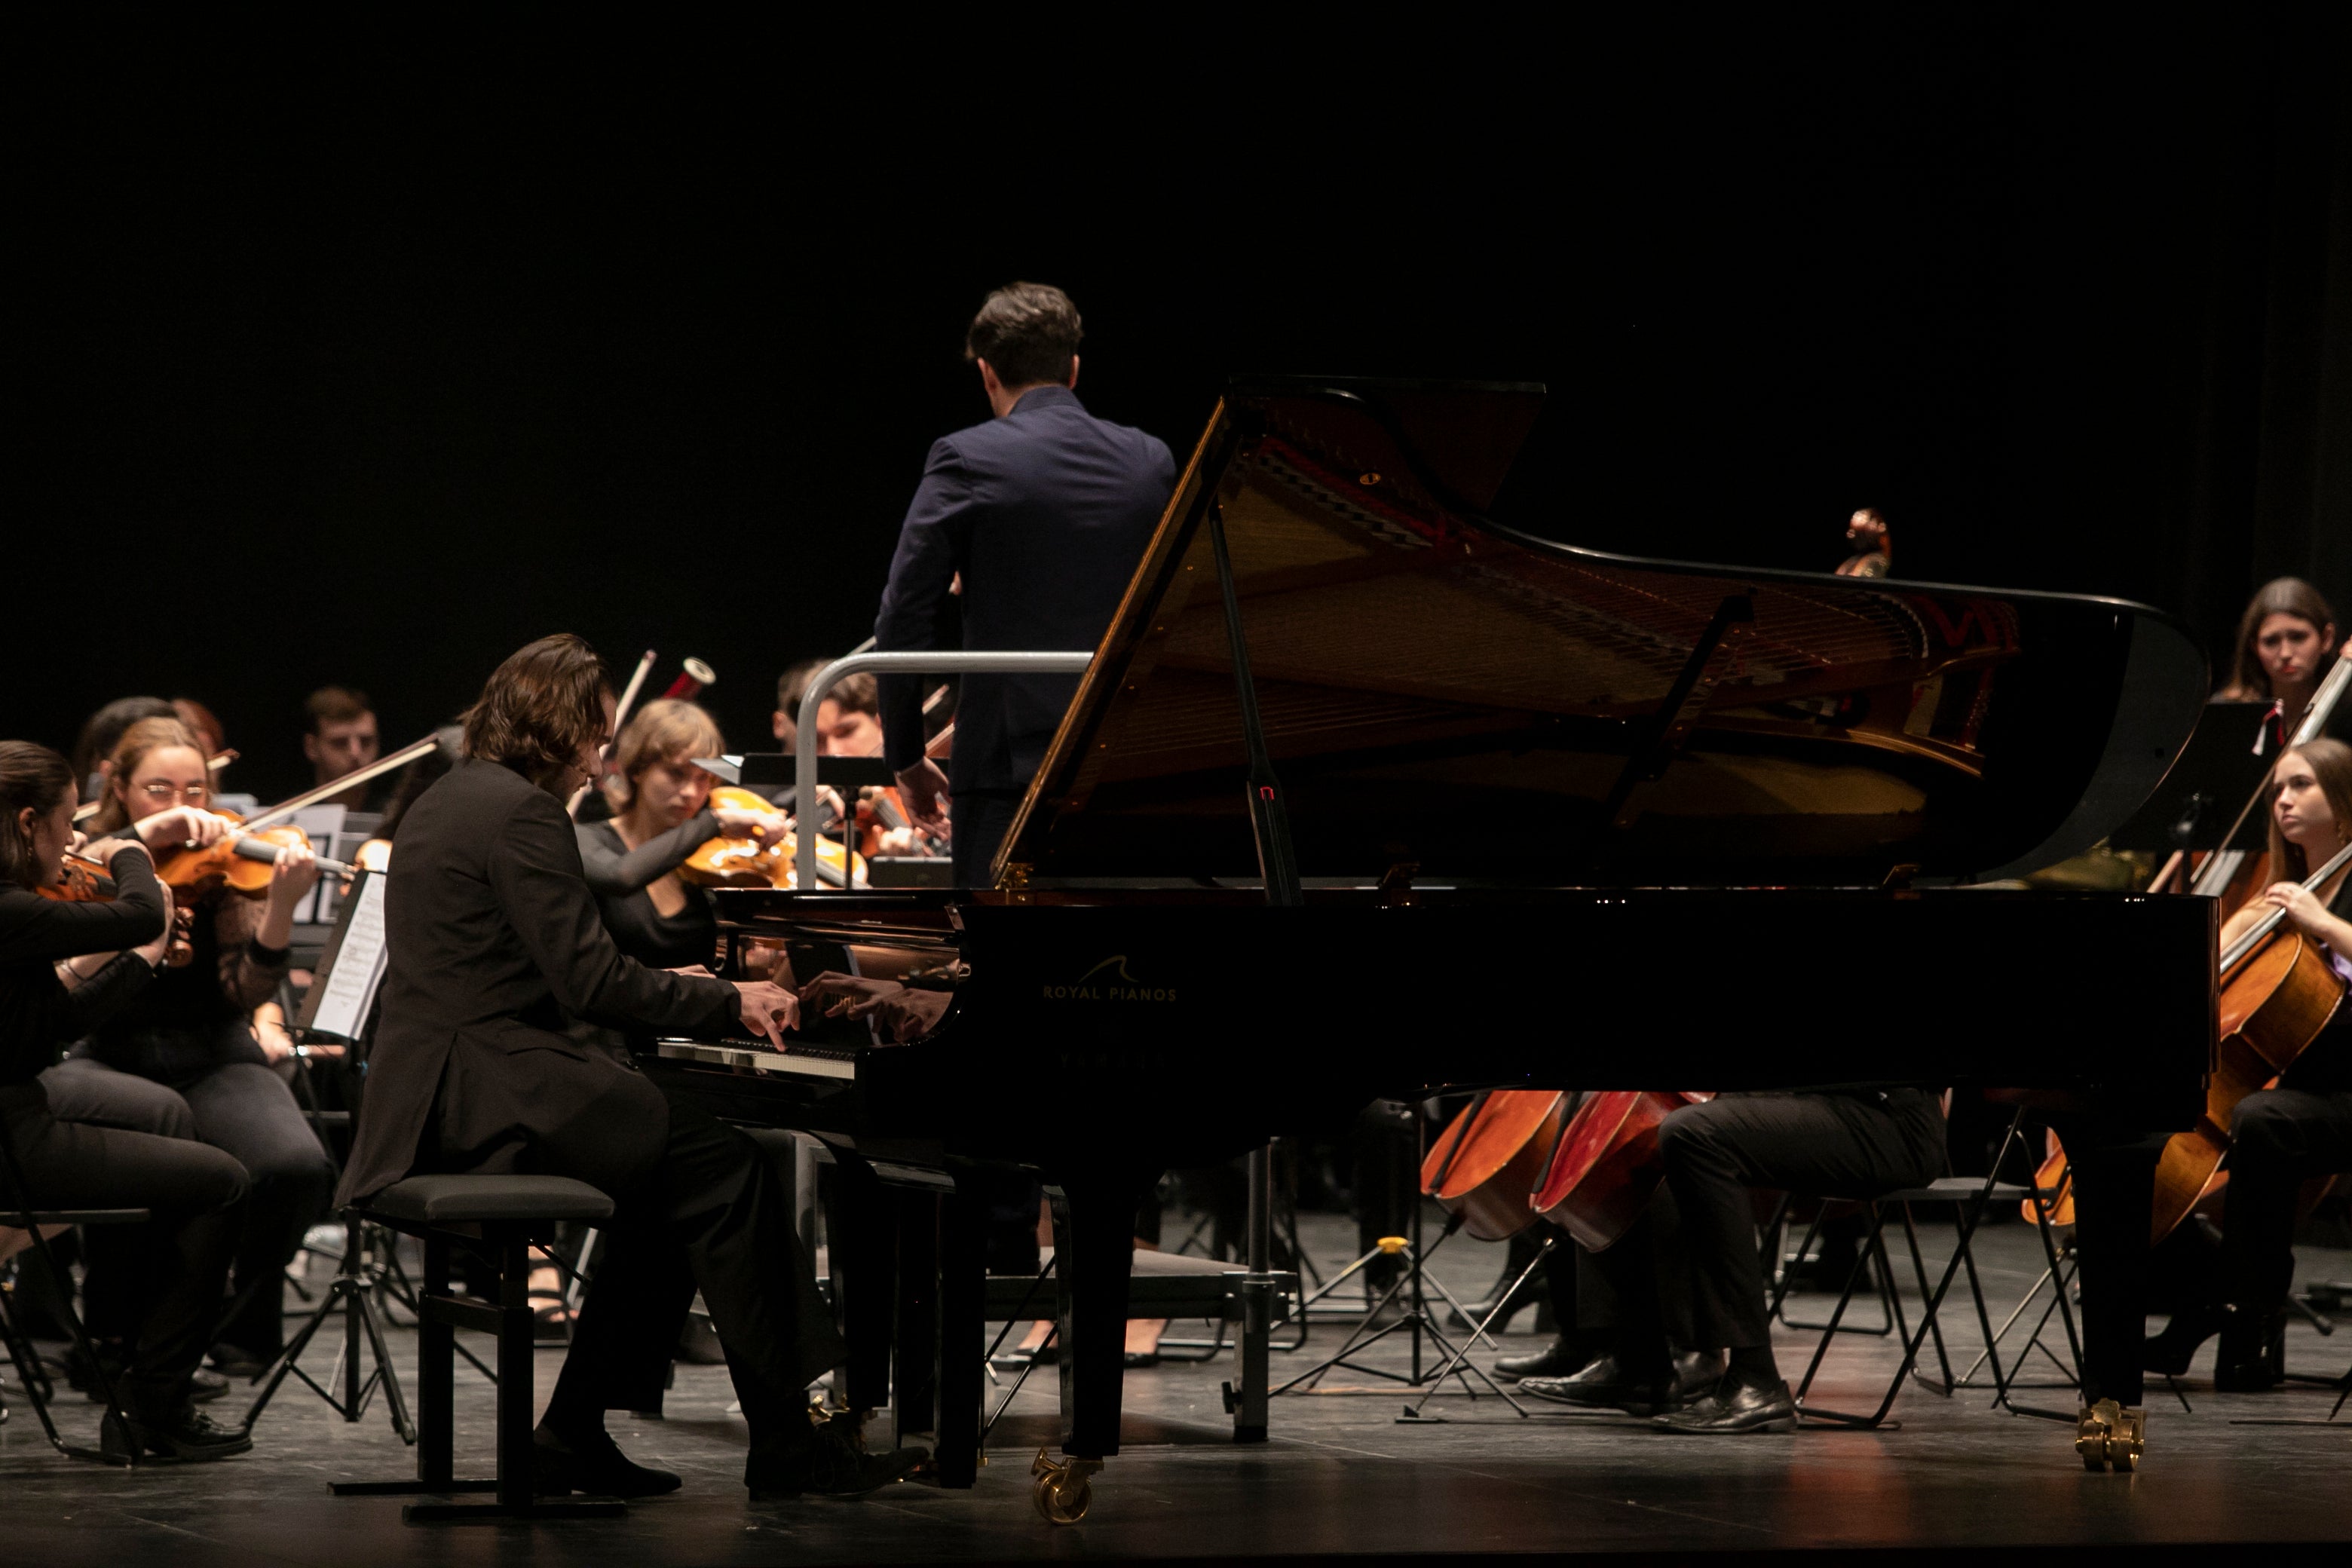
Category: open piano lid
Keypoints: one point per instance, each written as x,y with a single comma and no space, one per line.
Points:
1440,690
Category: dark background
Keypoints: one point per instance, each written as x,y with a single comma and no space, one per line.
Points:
367,359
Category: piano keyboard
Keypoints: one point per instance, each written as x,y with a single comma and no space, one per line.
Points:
758,1056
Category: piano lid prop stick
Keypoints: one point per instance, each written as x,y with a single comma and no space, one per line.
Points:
1277,863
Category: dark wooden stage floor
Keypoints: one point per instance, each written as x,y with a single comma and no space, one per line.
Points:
1340,1475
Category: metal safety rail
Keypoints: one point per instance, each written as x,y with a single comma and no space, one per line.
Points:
804,769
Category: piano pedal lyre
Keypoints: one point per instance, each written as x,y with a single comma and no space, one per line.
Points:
2106,1435
1063,1491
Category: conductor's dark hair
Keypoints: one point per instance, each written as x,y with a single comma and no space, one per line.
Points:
1028,334
2249,681
33,776
539,708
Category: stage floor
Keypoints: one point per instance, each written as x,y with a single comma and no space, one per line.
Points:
1339,1476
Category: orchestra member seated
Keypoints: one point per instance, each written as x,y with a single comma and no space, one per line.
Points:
191,1035
791,687
340,738
2286,640
1694,1276
195,1193
1874,551
494,936
2283,1136
1041,514
101,730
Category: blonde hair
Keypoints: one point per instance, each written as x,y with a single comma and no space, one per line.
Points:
666,730
2331,764
137,741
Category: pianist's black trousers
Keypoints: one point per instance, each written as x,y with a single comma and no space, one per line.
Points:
711,1213
1854,1145
2279,1139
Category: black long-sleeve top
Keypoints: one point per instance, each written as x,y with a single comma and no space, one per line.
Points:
619,876
38,1014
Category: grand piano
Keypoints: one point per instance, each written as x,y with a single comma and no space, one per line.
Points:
1365,794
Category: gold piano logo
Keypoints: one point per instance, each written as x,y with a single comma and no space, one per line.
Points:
1110,982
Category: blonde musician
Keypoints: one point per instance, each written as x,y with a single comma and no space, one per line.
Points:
2283,1136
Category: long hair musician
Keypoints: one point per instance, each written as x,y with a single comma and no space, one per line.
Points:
494,936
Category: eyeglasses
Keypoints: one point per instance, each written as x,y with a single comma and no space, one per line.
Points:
162,791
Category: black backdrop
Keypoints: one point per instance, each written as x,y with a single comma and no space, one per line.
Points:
368,360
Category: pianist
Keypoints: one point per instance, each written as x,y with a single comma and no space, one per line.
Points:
494,935
1044,512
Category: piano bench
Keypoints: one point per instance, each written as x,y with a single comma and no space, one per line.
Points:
1159,1284
498,1217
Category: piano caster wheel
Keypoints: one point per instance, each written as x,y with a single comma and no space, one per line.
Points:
1063,1491
2108,1436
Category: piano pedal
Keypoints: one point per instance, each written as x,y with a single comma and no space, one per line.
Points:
2108,1436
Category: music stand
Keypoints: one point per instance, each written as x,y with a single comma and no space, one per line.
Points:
2217,772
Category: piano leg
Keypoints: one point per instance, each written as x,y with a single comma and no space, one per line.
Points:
862,1261
915,1392
2115,1188
962,1297
1094,1240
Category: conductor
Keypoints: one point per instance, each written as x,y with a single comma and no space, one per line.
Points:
493,938
1043,511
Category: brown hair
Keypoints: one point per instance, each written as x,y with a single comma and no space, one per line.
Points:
2331,764
34,776
203,721
146,736
103,728
1027,332
856,693
792,685
335,705
2249,681
539,708
662,731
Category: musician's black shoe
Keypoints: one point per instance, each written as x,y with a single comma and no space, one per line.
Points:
1563,1356
1604,1383
2170,1352
2256,1376
836,1465
1734,1407
592,1463
186,1434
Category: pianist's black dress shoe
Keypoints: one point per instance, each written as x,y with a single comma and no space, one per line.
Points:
836,1465
1734,1407
1560,1358
590,1463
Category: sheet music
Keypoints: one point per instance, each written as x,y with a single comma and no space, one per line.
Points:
347,988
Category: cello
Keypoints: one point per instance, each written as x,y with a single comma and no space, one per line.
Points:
1485,1166
1607,1166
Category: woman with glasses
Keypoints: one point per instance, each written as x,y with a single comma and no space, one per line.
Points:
190,1033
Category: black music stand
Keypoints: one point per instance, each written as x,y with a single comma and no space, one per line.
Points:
2216,774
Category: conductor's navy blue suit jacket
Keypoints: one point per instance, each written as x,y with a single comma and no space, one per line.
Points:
1046,512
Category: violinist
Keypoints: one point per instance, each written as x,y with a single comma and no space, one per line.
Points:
664,814
192,1035
195,1193
2280,1137
1873,550
2286,640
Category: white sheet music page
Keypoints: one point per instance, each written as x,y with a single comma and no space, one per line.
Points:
358,970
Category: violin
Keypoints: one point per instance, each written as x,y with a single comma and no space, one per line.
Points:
82,880
238,860
724,862
1607,1166
1485,1166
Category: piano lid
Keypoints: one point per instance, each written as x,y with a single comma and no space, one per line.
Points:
1440,689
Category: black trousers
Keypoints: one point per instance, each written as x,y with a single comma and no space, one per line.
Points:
1701,1236
980,818
711,1213
241,1107
196,1195
2279,1139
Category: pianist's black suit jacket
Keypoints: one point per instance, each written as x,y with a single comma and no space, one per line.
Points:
1046,512
493,937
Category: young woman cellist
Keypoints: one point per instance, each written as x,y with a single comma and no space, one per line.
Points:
2280,1137
192,1034
195,1193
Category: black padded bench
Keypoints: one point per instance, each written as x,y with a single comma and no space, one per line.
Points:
499,1217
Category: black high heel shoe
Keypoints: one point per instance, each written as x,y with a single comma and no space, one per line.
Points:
2170,1352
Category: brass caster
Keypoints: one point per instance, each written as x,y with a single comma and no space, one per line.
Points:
1063,1491
2108,1436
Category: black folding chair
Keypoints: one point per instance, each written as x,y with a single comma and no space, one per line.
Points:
30,1216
